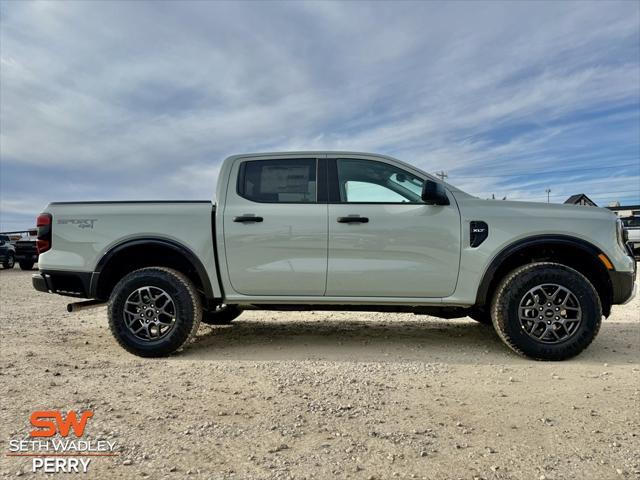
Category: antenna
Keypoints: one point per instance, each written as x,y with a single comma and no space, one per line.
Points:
548,191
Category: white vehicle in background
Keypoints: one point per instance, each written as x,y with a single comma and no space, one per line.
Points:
632,227
338,231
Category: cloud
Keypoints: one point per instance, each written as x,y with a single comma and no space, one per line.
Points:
116,100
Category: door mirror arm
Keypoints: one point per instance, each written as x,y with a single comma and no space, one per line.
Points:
434,193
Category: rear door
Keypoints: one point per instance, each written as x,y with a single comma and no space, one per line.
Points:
275,231
383,240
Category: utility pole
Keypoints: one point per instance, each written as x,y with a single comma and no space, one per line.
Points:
548,191
442,174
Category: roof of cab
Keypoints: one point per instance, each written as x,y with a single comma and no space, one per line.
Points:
310,153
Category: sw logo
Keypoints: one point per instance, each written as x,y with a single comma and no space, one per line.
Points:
56,445
51,422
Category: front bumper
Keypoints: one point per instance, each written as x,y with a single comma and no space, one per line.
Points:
623,285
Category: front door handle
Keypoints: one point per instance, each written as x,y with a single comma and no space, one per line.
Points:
247,218
353,219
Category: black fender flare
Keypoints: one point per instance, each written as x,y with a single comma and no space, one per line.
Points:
519,245
177,247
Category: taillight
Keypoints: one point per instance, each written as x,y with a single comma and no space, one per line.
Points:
43,242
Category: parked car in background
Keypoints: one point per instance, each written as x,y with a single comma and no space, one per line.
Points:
338,231
26,253
632,227
7,252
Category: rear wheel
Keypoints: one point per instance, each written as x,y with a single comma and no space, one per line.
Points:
9,262
546,311
154,311
26,265
223,314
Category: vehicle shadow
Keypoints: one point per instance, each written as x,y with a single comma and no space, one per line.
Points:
292,336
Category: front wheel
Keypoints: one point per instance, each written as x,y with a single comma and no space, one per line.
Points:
154,311
546,311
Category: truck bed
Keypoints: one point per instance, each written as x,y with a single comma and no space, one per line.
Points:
83,233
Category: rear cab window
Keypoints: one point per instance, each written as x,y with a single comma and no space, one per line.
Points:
278,181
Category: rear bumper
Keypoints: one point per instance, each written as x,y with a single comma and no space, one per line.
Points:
39,283
71,284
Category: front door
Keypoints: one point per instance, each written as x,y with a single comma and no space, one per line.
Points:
383,240
275,232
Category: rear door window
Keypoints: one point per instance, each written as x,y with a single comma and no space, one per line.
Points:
278,181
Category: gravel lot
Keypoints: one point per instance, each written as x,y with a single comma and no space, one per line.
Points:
324,395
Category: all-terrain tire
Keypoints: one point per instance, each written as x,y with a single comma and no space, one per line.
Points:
506,307
26,265
187,311
221,316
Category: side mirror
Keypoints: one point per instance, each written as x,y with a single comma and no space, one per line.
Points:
433,193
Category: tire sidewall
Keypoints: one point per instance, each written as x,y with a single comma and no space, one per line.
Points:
179,293
568,278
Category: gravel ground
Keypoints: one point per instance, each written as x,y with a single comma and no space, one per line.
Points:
323,395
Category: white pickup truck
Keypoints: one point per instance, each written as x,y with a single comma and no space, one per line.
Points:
338,231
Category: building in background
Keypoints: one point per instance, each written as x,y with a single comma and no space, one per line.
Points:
580,199
625,211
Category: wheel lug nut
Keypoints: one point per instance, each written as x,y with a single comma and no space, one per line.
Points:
548,323
540,317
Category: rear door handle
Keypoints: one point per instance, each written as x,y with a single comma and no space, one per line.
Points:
353,219
247,218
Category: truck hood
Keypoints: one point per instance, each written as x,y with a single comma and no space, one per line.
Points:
537,209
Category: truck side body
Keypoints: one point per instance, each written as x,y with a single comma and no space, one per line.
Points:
284,233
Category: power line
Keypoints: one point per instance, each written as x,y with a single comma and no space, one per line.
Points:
442,174
576,170
607,194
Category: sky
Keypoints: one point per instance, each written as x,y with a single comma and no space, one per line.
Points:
138,100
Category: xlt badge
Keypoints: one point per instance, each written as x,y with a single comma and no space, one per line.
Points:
479,231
